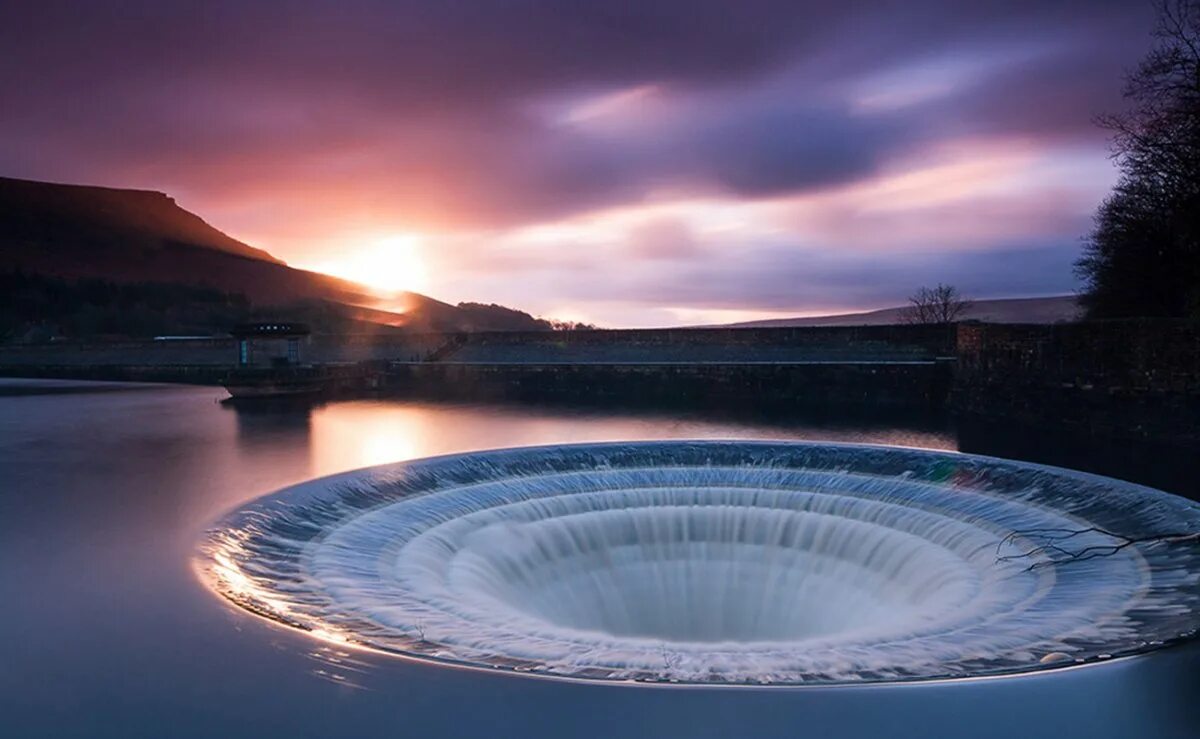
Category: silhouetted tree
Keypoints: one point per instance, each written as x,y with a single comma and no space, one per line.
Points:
556,325
941,304
1143,257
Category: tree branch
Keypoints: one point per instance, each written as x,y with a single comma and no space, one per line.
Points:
1050,542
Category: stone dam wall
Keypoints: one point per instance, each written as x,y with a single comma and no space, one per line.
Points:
1138,378
1117,378
824,384
890,366
866,343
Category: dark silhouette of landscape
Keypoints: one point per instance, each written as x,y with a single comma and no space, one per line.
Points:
84,261
75,256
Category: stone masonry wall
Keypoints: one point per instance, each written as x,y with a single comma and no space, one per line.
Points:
1126,378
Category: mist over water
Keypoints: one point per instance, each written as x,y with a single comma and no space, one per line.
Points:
715,562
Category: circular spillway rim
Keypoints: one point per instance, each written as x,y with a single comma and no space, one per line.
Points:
304,491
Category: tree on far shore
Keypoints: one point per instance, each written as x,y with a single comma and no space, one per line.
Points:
556,325
941,304
1143,256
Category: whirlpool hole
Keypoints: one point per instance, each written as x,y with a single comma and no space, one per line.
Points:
711,574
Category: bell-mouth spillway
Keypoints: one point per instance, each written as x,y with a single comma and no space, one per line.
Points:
721,562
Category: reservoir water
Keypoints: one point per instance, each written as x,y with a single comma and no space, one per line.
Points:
106,490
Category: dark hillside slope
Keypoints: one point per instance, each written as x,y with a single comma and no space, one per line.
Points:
140,237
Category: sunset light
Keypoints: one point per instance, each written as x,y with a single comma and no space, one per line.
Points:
391,264
579,369
638,179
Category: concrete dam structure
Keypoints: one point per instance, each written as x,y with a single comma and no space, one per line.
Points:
1120,378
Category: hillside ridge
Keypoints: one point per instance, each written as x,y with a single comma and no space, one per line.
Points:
1053,309
85,232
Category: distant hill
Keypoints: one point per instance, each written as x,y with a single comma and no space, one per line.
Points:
74,232
1010,310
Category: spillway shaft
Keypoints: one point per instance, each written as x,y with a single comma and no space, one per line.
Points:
715,562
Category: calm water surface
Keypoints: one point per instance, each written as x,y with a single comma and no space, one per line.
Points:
107,632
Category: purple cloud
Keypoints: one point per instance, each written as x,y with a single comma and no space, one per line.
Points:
295,123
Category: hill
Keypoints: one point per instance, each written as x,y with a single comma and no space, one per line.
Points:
139,237
1011,310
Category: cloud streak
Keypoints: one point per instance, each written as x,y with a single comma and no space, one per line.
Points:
872,146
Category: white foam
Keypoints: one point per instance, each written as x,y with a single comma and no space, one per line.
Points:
710,562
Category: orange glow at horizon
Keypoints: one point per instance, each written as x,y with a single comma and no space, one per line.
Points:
626,265
390,264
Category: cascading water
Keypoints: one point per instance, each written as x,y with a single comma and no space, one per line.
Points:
719,562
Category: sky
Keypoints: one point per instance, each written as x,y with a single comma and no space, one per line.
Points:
627,164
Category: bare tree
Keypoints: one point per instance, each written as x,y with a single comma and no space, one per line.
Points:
941,304
556,325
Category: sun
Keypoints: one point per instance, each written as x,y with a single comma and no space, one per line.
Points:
389,264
